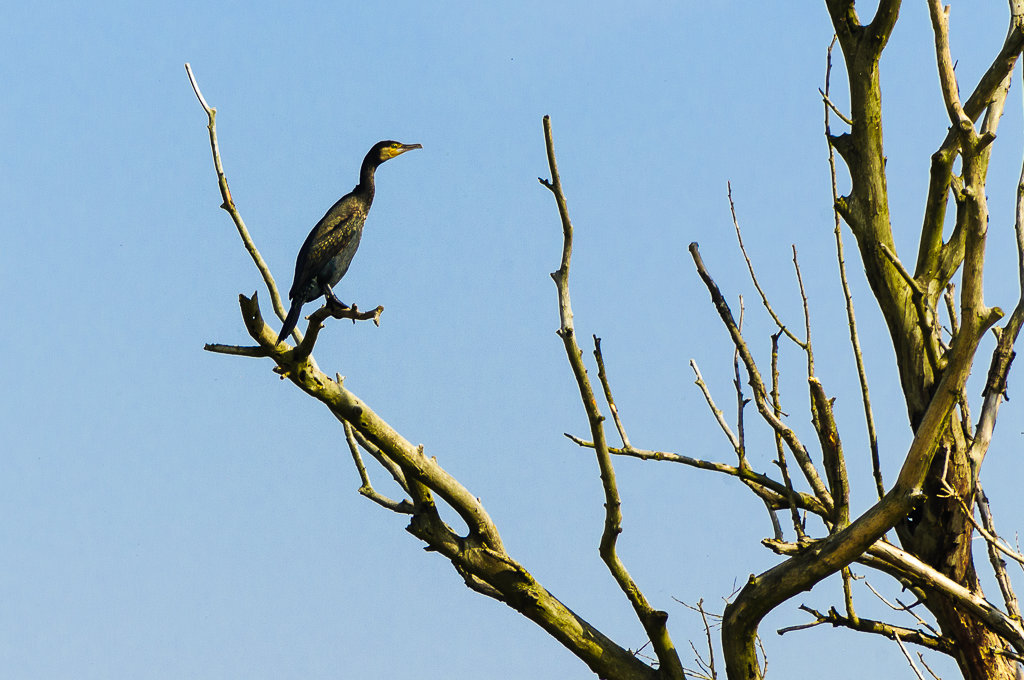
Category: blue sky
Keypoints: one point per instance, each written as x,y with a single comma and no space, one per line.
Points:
172,513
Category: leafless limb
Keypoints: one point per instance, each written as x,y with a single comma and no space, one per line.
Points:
780,498
828,102
858,355
603,377
848,579
994,548
316,323
920,657
229,204
757,384
236,350
652,620
1004,625
910,659
807,315
832,454
780,449
366,488
717,412
741,401
753,277
1002,356
893,632
393,468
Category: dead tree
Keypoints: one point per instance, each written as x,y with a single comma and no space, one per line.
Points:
936,315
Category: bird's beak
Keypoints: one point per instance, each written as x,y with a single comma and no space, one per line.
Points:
409,147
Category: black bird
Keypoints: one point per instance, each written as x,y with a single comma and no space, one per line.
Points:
327,252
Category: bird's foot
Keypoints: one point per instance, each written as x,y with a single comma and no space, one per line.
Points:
337,305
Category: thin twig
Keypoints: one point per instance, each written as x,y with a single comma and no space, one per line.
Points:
998,565
780,450
366,488
828,102
900,607
741,402
229,204
807,315
781,495
910,659
603,377
753,277
990,537
717,412
888,630
920,657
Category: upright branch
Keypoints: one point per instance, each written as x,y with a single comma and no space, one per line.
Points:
229,204
653,621
876,466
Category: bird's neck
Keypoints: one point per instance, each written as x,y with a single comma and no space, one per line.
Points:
365,186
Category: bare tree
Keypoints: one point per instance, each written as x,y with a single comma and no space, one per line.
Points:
936,315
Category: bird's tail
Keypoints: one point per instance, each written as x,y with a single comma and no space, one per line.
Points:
291,320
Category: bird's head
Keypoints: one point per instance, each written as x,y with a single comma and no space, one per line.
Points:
388,149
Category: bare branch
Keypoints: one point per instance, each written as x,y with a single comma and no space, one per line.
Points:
893,632
316,324
920,657
652,620
910,660
757,384
994,548
832,453
780,449
603,377
781,498
833,107
717,412
753,277
1007,627
229,204
236,350
366,489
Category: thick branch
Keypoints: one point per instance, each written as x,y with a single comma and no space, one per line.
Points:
480,557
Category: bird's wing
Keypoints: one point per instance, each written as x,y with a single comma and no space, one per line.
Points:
329,237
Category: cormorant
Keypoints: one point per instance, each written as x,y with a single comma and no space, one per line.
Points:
327,252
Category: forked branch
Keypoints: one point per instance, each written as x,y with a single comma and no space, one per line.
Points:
652,620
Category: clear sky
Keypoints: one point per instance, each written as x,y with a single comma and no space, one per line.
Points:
170,513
